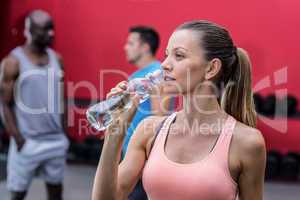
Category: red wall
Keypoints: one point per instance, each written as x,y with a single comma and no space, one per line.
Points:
91,35
283,142
4,31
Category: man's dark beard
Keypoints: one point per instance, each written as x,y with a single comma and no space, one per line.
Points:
134,61
42,42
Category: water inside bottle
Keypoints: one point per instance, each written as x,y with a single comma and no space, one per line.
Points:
100,115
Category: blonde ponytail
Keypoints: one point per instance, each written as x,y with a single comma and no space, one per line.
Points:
237,99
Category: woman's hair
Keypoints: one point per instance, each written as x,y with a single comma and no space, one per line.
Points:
237,98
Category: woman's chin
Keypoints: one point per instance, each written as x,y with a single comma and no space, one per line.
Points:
171,92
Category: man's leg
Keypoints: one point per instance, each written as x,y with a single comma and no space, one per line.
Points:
54,191
53,172
18,195
20,171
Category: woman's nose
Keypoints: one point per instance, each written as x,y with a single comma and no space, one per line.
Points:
166,65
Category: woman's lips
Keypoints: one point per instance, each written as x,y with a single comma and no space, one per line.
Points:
168,78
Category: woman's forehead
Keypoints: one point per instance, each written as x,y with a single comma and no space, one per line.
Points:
184,39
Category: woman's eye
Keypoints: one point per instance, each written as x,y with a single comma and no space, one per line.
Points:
179,56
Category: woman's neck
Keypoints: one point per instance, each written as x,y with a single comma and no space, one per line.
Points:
203,106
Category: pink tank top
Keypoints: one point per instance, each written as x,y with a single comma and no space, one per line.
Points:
207,179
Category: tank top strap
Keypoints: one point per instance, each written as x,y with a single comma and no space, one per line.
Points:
159,142
24,62
53,60
164,129
18,53
223,143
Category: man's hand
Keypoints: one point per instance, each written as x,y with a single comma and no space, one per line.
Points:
20,141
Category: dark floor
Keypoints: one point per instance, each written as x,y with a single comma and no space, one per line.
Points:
79,178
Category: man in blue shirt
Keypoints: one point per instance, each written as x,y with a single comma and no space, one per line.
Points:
142,44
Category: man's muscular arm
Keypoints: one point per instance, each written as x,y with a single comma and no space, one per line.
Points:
9,75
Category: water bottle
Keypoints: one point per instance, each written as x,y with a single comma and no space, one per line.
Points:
100,114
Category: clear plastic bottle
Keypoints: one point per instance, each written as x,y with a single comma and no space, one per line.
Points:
100,114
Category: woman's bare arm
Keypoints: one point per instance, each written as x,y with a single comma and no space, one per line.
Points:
253,162
114,181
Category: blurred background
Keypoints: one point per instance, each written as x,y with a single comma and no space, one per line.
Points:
90,36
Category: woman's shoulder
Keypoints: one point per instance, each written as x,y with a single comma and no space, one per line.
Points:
248,136
146,130
148,126
248,141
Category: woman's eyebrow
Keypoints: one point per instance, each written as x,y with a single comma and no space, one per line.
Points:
178,48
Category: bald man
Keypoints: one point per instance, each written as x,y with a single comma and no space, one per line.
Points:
31,94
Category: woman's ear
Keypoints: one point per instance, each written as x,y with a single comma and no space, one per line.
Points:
213,68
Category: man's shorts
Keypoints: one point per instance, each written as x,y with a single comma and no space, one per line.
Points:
37,157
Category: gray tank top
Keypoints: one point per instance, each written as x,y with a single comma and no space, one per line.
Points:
38,96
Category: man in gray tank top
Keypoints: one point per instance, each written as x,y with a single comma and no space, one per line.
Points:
32,98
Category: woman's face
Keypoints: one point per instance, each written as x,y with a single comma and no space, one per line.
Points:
185,64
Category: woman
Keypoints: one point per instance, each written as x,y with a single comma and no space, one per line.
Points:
191,159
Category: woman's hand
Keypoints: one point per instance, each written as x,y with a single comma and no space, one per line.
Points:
122,117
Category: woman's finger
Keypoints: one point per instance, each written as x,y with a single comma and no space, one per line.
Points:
122,85
114,92
123,117
120,88
132,110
